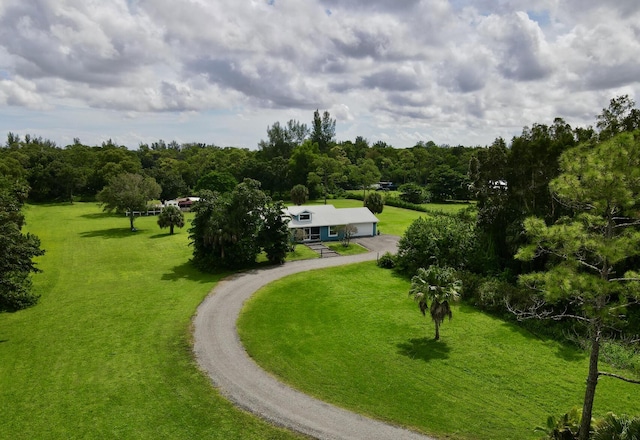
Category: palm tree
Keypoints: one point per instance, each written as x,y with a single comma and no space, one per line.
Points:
437,285
170,217
617,427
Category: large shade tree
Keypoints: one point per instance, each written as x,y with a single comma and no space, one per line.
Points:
590,275
128,192
438,286
17,250
229,230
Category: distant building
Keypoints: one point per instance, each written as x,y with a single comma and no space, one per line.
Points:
184,203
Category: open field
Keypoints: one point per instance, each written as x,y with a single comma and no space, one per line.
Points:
351,336
107,352
450,208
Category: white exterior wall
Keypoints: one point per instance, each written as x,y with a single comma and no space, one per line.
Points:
364,229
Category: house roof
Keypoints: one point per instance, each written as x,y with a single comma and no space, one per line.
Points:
329,215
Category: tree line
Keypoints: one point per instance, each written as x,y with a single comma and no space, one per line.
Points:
292,154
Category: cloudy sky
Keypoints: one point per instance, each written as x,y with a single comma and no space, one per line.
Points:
221,71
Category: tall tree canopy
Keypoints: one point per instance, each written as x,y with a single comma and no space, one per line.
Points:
588,254
229,230
128,192
323,131
17,250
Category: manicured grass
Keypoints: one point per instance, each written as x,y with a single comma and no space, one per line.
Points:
352,249
449,208
352,336
393,221
301,252
107,351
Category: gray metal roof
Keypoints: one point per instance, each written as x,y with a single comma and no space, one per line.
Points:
329,215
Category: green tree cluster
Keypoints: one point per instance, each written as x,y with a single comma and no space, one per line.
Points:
230,230
436,240
17,250
292,154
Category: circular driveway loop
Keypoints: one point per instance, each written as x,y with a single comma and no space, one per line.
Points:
220,353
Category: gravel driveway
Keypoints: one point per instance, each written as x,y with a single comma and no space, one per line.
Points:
219,352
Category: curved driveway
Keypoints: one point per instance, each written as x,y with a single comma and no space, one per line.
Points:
220,353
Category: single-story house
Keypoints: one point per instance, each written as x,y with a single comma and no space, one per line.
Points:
323,222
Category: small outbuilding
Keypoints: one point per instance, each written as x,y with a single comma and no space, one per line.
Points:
325,222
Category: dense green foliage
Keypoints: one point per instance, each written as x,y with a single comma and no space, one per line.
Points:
127,193
230,230
274,235
413,193
292,154
588,254
436,240
170,217
217,181
17,250
609,427
375,202
299,194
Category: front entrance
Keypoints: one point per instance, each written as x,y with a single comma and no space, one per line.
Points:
312,234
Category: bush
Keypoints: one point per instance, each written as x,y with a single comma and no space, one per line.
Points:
470,284
413,193
621,356
15,292
492,294
621,427
439,240
375,202
609,427
563,428
398,203
387,261
299,194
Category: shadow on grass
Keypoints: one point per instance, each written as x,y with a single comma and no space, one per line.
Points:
166,234
426,349
564,349
187,271
569,353
110,233
96,215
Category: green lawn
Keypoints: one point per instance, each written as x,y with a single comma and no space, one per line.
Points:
107,351
352,336
393,221
352,249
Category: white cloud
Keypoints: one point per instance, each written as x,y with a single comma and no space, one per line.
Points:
455,72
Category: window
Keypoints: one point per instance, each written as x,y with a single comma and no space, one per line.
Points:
304,216
333,231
